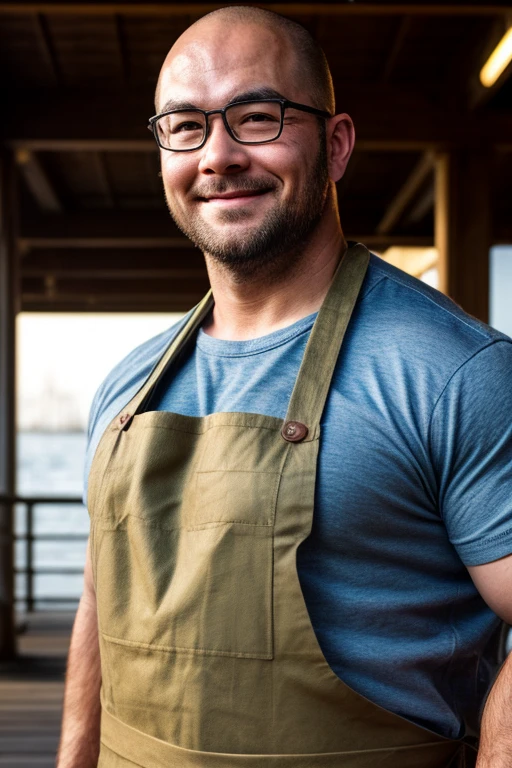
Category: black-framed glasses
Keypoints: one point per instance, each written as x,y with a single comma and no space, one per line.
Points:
257,121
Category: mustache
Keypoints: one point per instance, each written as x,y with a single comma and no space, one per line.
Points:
237,183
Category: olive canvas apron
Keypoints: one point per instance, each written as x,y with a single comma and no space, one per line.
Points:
208,655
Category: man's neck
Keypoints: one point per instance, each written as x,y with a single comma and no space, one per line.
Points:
250,309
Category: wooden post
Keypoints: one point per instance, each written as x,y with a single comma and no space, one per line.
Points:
441,217
8,307
463,227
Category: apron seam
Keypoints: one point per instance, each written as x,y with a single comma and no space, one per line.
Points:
118,754
202,527
183,649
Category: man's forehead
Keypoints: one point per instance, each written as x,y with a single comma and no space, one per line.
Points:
215,67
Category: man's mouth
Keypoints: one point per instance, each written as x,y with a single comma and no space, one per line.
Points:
233,197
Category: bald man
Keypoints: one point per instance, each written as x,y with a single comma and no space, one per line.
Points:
301,538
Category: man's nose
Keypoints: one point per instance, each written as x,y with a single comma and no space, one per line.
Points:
221,153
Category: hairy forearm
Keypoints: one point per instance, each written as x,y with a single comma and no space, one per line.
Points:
496,735
79,745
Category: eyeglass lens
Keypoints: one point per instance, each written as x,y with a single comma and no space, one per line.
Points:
253,123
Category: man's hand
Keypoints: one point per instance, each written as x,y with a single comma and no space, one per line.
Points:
494,582
80,739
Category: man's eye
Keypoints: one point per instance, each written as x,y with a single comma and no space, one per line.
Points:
259,117
187,126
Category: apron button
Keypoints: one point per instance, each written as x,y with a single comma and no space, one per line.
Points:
294,431
124,419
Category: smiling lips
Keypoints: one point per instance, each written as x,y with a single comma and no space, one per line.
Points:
234,197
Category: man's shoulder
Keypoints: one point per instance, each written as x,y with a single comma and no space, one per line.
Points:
421,319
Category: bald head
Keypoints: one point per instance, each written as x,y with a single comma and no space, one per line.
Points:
293,45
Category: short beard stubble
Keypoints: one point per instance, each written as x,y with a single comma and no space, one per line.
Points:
274,247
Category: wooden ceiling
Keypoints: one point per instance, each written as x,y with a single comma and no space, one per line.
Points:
77,83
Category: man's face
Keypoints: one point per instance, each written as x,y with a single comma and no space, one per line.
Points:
245,206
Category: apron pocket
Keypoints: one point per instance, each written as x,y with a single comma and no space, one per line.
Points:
229,496
206,590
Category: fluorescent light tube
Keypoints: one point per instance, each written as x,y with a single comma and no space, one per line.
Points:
497,61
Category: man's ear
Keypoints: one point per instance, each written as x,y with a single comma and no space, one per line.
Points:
340,143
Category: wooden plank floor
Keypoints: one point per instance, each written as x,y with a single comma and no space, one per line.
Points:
31,691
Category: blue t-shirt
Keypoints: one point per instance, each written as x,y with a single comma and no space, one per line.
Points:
414,483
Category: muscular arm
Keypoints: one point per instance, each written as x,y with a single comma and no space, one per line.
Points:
79,745
471,442
496,735
494,582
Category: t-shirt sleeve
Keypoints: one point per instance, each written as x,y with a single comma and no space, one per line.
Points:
94,413
471,444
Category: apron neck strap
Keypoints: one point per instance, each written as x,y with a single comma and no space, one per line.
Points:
174,349
322,350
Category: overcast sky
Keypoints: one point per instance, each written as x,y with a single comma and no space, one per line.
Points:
71,353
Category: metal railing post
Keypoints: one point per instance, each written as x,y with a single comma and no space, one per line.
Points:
29,544
30,538
9,301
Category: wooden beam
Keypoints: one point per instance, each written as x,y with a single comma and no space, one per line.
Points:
287,9
147,286
27,244
423,205
463,228
406,194
119,273
46,46
9,296
130,262
396,48
54,230
37,181
442,213
82,145
148,293
170,302
123,264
